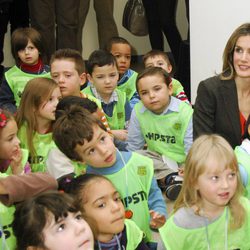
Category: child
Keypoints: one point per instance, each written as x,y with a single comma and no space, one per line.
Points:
243,157
68,70
16,188
103,76
58,164
13,159
157,58
34,119
210,212
160,120
83,138
120,48
103,209
27,50
51,221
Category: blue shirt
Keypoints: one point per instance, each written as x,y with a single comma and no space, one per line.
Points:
136,139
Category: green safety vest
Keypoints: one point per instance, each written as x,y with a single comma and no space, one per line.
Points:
165,134
117,120
177,87
79,168
129,87
25,155
17,80
134,234
133,183
6,218
175,237
243,159
42,144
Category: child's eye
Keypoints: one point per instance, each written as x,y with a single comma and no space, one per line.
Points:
54,76
238,50
143,93
102,139
232,175
128,57
113,75
91,151
117,56
61,227
102,205
118,199
68,75
214,178
78,216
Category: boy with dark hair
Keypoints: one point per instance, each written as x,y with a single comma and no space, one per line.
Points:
83,138
120,48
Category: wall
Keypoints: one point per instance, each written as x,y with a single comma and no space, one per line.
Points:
90,41
211,24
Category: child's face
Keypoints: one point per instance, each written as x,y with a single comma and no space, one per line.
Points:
9,142
122,53
154,93
29,55
104,210
47,109
105,80
100,152
216,185
158,61
71,232
64,73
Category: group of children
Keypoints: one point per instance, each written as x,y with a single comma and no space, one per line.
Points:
112,138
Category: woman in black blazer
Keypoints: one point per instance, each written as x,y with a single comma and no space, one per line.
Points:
222,104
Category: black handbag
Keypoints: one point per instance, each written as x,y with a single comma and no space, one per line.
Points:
134,18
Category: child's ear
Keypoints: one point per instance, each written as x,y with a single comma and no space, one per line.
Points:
169,68
89,77
83,78
170,88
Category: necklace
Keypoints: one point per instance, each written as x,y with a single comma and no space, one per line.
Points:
225,231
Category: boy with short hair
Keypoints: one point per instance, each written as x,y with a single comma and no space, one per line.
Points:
120,48
160,120
103,76
157,58
83,138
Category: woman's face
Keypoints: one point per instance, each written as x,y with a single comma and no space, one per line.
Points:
241,57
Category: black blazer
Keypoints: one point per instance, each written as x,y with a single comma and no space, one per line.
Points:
216,110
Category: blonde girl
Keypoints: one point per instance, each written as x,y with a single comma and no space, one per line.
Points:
13,159
35,117
103,209
210,211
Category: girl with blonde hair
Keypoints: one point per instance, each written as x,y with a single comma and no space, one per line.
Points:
210,211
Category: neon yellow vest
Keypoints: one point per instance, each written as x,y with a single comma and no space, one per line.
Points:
177,87
129,87
79,168
243,158
138,172
164,134
92,98
42,145
6,218
17,80
134,234
25,155
117,121
175,237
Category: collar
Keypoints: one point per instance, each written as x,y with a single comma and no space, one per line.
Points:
118,165
172,107
113,97
125,77
245,145
37,68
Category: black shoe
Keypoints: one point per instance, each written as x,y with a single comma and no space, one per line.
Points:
172,191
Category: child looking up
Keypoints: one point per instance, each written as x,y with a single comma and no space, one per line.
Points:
243,157
210,212
35,117
83,138
120,48
102,208
13,159
103,76
27,50
51,221
157,58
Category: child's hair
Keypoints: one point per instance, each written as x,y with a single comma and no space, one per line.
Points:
246,134
203,148
116,40
154,53
36,91
5,116
68,101
70,55
151,71
100,58
72,127
20,38
31,217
